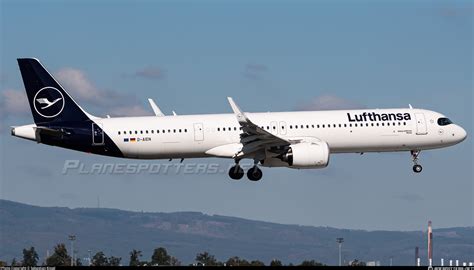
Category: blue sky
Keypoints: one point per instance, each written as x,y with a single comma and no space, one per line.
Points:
270,56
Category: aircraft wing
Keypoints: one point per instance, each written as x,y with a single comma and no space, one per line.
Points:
253,137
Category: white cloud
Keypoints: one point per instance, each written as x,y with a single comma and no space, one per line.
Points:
133,110
13,102
76,82
329,102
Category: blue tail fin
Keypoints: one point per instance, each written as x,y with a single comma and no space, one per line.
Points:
49,102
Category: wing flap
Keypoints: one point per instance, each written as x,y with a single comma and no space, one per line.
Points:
253,137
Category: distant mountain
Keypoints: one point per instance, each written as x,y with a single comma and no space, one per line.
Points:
184,234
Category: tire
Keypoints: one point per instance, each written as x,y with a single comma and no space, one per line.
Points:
254,174
236,172
417,168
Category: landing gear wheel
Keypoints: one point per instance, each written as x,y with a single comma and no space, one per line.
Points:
254,174
236,172
414,156
417,168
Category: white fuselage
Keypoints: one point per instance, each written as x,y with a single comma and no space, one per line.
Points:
191,136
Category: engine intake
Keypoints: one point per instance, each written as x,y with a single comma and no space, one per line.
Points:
307,155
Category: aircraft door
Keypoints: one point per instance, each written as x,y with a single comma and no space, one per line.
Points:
97,134
420,124
198,132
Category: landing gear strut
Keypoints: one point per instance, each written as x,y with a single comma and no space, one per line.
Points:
236,172
414,156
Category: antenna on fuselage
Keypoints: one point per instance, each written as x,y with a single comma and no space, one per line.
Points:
409,105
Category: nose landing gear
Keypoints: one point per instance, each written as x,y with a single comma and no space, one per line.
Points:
417,168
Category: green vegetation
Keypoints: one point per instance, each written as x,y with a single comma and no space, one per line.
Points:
135,257
207,259
276,262
159,257
59,257
30,257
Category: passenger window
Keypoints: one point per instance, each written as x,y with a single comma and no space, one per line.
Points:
367,124
383,124
291,127
169,130
312,126
345,125
340,125
179,130
119,132
146,131
323,126
317,126
302,126
141,131
218,129
164,131
152,131
307,126
185,130
136,132
174,130
296,126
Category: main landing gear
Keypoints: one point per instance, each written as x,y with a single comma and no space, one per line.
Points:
253,174
236,172
414,156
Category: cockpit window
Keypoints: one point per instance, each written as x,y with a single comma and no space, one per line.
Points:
444,121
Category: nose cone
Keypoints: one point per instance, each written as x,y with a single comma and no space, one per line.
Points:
462,134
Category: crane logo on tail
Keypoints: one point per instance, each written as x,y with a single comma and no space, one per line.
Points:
48,102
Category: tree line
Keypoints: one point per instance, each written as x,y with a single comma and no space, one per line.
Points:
160,256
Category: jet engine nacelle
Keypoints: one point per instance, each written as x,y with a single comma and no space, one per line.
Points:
305,155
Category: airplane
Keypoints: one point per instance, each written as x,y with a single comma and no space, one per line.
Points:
297,139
